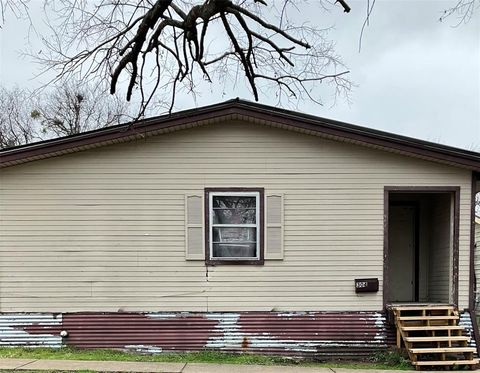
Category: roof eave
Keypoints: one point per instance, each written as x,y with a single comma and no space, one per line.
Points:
262,113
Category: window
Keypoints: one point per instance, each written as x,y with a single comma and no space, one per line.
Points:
234,226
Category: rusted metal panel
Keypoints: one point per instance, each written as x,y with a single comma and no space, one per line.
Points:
315,334
164,331
310,333
14,330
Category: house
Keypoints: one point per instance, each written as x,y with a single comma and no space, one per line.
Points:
235,226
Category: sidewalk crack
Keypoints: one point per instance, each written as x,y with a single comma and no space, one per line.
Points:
24,365
184,366
332,370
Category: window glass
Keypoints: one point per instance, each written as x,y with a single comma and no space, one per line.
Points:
234,210
247,250
233,232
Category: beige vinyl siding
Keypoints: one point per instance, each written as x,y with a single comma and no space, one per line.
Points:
477,232
440,289
104,229
425,249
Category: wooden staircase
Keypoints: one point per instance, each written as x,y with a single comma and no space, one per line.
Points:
432,336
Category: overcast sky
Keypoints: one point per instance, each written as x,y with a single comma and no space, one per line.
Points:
414,76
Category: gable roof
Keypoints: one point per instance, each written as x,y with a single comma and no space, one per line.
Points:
251,112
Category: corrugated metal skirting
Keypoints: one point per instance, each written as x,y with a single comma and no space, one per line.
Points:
33,330
466,322
319,334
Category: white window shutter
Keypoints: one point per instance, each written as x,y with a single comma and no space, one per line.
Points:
274,226
194,229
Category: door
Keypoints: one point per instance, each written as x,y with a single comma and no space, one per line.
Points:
401,253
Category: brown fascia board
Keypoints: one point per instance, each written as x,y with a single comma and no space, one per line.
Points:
367,136
267,114
109,134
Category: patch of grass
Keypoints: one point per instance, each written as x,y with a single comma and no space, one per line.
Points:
388,360
393,358
69,353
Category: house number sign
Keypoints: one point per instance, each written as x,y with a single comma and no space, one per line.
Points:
366,285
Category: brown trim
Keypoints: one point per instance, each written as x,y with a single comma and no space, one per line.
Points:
367,136
456,244
386,275
473,281
422,189
417,252
456,240
456,230
261,259
472,287
137,130
239,108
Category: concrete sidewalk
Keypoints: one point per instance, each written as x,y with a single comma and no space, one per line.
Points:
139,367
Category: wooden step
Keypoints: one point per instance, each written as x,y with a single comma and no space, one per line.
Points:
447,362
419,318
430,350
423,308
437,339
441,350
432,328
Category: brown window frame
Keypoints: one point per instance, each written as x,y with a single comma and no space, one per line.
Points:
261,225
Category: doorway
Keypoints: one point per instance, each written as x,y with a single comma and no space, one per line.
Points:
421,245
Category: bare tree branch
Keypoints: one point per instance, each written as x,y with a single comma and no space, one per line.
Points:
346,7
18,8
159,48
16,125
69,108
463,9
74,107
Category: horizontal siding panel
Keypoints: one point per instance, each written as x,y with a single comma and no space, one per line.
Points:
160,227
310,184
163,196
178,304
143,285
171,174
109,223
321,256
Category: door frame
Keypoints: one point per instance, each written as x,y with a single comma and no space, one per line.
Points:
455,191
